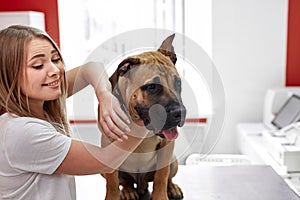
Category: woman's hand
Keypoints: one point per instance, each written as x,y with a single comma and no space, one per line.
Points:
111,118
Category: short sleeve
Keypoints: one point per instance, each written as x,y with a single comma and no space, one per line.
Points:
35,145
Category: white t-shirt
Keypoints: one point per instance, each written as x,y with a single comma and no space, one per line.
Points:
30,152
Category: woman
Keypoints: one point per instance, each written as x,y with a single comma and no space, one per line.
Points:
36,154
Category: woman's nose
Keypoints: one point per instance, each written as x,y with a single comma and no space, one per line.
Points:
53,70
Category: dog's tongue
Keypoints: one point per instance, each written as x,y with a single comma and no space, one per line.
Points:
170,134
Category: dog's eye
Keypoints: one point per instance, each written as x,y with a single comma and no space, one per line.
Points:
152,88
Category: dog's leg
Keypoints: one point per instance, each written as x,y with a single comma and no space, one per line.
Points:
160,184
164,185
112,186
128,192
164,159
174,191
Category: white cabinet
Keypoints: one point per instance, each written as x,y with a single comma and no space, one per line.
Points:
252,144
30,18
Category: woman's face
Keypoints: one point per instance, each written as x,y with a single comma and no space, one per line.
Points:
43,72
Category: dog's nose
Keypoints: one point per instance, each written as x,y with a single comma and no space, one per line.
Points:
176,113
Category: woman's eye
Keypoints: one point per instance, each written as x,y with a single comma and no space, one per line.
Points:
56,60
37,66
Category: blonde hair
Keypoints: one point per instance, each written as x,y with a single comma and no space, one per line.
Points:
13,43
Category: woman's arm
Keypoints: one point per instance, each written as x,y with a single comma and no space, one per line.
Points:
84,158
90,73
111,116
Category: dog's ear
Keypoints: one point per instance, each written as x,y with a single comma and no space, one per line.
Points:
123,69
126,65
167,48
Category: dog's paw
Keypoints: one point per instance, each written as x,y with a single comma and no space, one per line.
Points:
129,193
174,191
159,197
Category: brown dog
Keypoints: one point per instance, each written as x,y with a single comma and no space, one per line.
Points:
148,86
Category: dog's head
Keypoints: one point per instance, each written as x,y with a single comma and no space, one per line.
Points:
150,88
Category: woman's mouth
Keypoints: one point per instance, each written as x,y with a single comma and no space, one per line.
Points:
52,84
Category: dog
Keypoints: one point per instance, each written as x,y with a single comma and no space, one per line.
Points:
148,87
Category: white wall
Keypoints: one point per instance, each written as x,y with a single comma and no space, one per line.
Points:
248,44
90,23
28,18
249,48
86,26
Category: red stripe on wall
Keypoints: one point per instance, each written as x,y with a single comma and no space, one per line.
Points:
293,44
196,120
83,121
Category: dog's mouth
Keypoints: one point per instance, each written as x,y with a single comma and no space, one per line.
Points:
161,121
170,134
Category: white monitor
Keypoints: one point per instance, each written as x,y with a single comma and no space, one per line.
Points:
289,113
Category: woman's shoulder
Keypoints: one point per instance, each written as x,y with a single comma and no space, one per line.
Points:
13,121
26,129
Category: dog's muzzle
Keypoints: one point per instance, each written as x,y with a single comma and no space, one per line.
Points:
163,119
